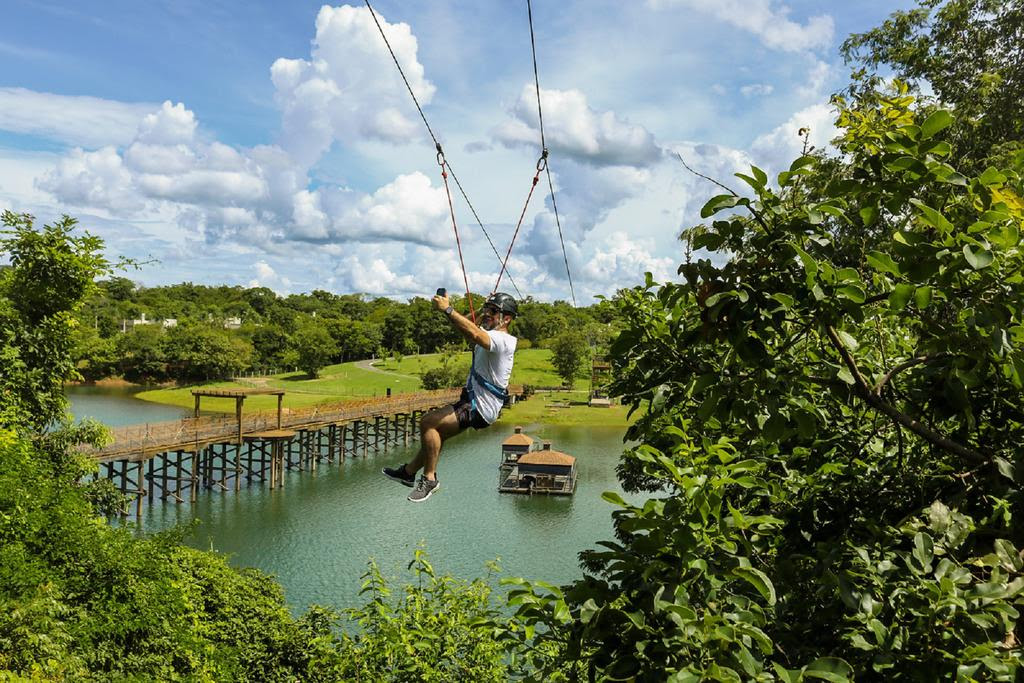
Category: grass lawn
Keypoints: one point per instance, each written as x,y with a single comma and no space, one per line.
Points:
532,366
562,408
347,380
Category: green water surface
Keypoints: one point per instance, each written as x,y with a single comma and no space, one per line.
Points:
317,534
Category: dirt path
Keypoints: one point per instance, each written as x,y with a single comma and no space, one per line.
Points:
369,365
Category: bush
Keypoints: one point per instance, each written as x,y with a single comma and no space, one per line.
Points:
435,630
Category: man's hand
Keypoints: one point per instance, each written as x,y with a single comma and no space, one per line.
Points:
441,303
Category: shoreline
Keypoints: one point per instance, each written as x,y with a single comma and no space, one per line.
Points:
120,383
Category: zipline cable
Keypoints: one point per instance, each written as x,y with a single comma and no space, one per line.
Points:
444,176
441,159
547,168
541,164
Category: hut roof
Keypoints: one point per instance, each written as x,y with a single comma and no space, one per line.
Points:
547,457
518,439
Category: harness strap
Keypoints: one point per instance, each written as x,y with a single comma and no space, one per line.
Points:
491,387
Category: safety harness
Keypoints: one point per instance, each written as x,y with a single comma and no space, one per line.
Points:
491,387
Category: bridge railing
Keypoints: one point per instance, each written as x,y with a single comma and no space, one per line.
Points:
136,439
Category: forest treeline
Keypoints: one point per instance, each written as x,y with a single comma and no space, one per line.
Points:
189,332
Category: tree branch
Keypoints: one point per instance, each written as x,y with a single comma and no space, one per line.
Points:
905,365
910,423
752,210
707,178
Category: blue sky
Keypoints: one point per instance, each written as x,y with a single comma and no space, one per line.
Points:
273,143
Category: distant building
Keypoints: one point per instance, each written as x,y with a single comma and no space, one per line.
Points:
164,323
232,323
130,324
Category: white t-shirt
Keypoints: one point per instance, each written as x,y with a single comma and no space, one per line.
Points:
495,366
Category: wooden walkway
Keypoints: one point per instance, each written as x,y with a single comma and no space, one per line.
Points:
140,442
174,460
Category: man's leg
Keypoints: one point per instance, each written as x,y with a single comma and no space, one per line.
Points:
435,427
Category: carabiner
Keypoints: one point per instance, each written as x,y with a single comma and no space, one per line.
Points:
542,163
440,155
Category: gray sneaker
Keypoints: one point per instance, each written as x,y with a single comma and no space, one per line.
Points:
424,489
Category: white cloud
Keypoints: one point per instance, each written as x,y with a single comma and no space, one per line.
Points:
818,77
267,276
776,149
349,88
757,90
94,180
164,186
18,171
88,122
170,125
575,130
585,196
622,259
409,208
766,19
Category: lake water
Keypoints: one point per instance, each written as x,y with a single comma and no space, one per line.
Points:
117,406
317,534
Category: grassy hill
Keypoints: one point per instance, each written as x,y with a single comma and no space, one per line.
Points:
349,380
354,380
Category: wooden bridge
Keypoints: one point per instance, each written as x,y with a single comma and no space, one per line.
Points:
170,460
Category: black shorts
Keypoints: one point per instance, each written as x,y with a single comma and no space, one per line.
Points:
467,414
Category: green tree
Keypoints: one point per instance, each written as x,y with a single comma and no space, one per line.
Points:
260,299
52,272
833,433
94,356
202,352
141,354
354,339
961,51
430,330
429,631
270,344
314,348
79,599
450,373
397,328
118,288
570,354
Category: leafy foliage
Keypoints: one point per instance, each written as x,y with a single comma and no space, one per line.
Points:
313,348
833,423
434,632
570,355
80,600
960,50
52,270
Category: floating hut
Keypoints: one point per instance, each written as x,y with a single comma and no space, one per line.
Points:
515,446
543,471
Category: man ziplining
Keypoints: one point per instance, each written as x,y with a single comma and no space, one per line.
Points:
482,398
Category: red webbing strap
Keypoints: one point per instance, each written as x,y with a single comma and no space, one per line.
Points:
541,165
458,242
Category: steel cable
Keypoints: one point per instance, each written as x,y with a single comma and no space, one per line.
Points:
543,144
437,144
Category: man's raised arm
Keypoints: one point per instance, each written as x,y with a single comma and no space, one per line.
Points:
463,324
